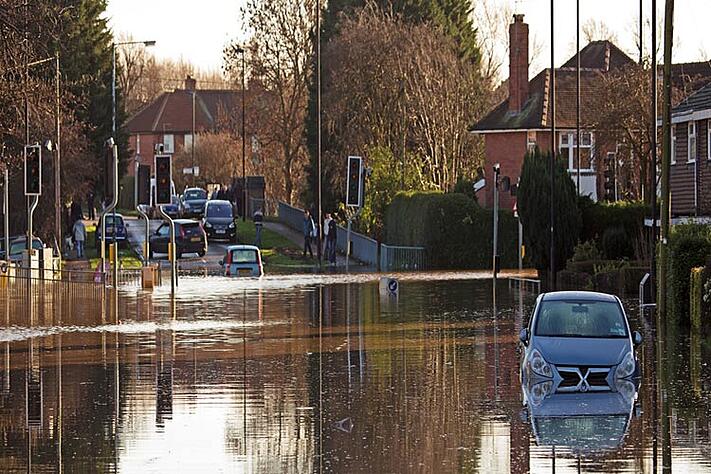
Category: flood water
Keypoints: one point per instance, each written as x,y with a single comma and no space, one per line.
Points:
313,374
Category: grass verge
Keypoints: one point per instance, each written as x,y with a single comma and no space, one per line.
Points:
127,257
277,250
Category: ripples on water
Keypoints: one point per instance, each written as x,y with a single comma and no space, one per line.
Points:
310,373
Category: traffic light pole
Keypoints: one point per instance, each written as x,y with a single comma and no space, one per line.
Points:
494,269
6,211
171,251
147,242
110,208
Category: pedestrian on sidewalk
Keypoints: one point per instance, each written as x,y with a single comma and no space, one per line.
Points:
258,219
79,232
331,241
90,206
309,229
326,223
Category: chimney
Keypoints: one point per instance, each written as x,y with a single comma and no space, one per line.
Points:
190,83
518,63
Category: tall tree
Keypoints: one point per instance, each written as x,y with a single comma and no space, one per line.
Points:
279,59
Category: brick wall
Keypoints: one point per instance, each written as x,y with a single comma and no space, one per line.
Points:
507,149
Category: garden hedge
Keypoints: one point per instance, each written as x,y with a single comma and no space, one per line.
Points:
689,247
617,228
456,232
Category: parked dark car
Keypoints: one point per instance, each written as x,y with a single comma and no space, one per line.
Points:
115,230
18,244
193,202
219,221
189,238
577,342
173,209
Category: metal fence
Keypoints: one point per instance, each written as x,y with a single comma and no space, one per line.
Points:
291,216
393,257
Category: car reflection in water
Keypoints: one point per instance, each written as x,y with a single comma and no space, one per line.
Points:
579,372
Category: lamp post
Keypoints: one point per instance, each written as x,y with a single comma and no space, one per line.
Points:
241,50
114,45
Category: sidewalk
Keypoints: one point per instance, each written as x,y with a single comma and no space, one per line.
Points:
298,239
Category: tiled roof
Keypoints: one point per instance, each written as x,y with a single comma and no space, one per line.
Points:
596,58
173,111
699,100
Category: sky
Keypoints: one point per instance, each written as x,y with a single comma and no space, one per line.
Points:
198,30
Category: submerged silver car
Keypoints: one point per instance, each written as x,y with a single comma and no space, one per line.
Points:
578,342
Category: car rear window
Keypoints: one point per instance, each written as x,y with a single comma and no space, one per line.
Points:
192,228
195,194
581,319
219,210
244,256
111,220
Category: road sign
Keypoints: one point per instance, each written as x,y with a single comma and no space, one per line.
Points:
33,170
354,188
164,174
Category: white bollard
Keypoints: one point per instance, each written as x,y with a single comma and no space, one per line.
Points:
389,287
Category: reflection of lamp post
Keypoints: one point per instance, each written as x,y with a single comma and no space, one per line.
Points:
240,50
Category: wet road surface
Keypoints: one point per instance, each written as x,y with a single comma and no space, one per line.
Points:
319,373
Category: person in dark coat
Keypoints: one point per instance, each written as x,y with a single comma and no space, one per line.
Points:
331,240
309,228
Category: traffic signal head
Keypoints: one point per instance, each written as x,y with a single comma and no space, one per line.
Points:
144,184
354,188
164,174
33,170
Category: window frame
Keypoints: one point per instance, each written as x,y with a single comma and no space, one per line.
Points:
708,140
689,136
673,144
571,145
168,149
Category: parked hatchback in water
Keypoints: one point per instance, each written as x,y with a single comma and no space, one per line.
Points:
578,342
189,238
219,221
243,260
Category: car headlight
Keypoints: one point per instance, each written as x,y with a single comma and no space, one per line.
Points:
626,367
207,225
540,391
232,225
539,365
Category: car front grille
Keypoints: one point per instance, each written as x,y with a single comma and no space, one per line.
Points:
583,379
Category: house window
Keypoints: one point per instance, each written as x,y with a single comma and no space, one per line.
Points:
138,144
188,141
691,141
708,139
168,143
531,142
673,144
568,144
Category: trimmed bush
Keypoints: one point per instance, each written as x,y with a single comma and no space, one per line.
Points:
456,232
617,228
689,247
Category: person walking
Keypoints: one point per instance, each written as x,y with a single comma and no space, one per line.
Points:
258,219
79,232
331,241
309,228
326,223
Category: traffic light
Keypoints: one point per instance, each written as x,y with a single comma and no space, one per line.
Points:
33,170
144,184
354,188
164,174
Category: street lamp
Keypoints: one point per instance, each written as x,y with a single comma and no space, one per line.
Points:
240,50
113,77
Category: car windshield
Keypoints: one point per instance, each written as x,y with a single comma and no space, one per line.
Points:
581,319
244,256
19,246
195,194
219,210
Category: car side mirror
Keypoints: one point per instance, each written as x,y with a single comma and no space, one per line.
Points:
637,338
523,336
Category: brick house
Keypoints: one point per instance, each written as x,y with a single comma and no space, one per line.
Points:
690,177
522,120
169,119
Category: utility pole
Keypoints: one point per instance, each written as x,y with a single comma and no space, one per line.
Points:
653,156
244,146
577,91
666,161
192,143
57,159
553,150
318,108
